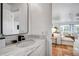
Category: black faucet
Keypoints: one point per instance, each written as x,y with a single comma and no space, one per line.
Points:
21,37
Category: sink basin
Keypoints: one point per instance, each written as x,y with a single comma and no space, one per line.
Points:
26,43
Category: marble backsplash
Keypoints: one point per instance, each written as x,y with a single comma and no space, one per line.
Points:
36,37
27,37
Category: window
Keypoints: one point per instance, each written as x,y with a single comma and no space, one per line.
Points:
76,29
71,28
65,28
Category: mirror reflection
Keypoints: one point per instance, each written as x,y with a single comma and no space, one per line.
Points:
14,18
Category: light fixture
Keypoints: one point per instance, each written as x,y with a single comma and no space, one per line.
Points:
54,30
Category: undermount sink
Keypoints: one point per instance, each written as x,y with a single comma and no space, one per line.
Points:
26,43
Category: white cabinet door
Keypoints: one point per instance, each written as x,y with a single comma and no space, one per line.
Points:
40,51
22,53
2,43
36,52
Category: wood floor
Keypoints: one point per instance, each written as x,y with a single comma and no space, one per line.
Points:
62,50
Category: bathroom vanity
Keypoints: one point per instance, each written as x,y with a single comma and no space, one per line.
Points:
25,48
19,19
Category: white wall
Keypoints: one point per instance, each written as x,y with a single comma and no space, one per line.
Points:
40,17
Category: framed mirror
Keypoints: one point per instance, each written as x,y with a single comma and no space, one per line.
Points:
15,18
0,19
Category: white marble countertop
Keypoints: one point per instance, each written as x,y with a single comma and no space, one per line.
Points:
13,49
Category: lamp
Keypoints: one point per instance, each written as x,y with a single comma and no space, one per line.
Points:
54,30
